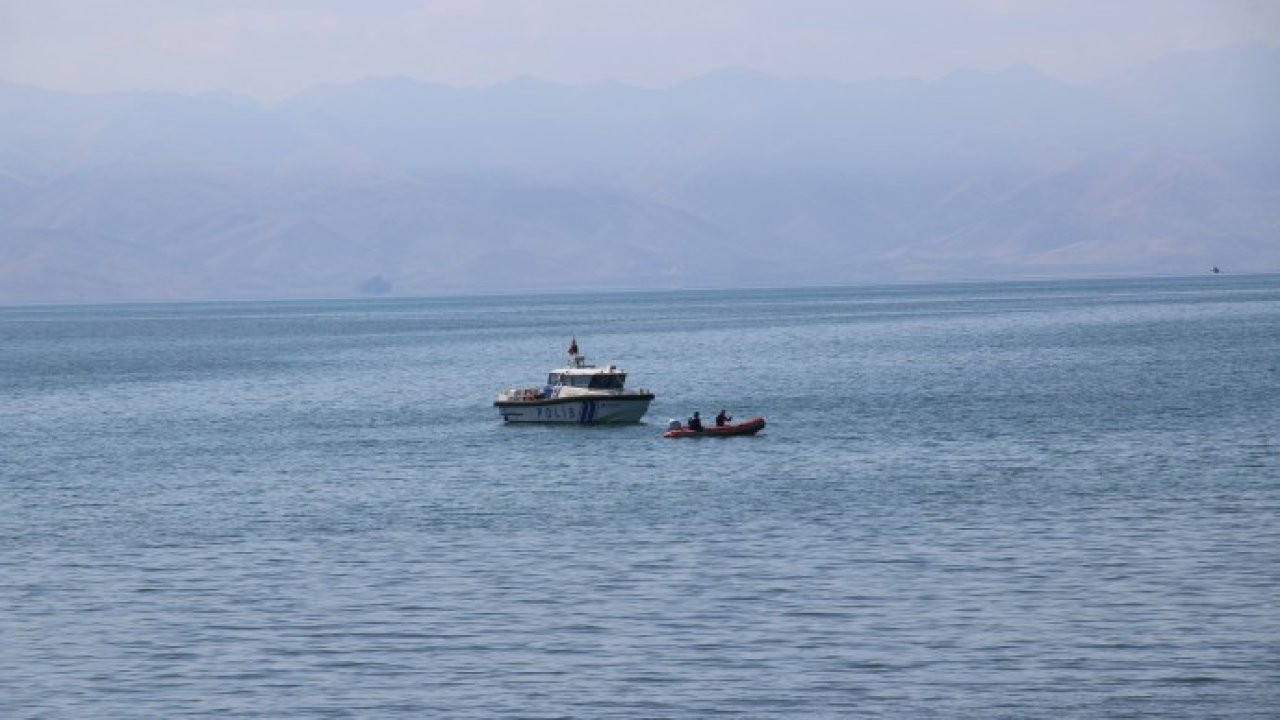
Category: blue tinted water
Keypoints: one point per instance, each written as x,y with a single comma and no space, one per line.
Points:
988,500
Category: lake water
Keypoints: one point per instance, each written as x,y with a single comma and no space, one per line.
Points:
1048,499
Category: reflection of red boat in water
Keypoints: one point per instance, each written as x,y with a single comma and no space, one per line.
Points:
751,426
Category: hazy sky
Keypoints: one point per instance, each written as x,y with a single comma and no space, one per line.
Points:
273,48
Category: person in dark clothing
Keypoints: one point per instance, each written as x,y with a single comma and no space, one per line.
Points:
722,419
695,422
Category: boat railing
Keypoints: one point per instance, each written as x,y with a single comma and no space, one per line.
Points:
520,395
532,394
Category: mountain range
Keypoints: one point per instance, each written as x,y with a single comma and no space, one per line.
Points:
735,178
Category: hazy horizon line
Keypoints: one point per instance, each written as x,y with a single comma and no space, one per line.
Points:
275,98
480,294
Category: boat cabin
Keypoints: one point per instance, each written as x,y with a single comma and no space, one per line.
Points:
610,378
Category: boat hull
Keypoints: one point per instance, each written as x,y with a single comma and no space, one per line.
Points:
576,411
750,426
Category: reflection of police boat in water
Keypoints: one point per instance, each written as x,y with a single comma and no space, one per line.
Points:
581,393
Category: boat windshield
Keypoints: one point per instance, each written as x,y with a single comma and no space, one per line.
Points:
607,381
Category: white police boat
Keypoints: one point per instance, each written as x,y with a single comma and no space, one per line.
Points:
582,394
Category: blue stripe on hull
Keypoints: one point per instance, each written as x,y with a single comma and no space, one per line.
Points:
580,412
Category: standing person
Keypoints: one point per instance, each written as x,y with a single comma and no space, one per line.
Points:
722,419
695,422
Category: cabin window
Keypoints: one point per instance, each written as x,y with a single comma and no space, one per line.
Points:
607,382
553,379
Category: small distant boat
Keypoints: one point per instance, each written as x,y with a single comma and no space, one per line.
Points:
581,394
1214,270
750,426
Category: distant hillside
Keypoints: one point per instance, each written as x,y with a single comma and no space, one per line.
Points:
733,178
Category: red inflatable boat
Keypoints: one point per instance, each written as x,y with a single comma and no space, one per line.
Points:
750,426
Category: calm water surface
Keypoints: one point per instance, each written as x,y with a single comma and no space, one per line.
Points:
987,500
